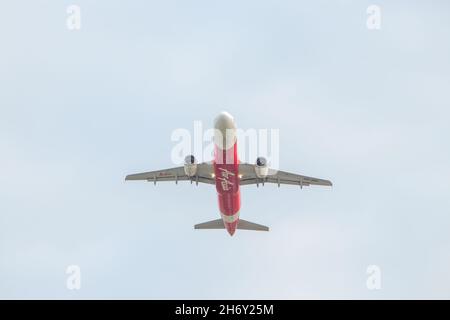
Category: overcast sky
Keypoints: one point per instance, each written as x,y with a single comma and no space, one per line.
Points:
367,109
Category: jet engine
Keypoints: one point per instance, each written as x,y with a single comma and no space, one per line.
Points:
261,169
190,166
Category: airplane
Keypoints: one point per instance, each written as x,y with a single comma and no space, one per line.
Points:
227,173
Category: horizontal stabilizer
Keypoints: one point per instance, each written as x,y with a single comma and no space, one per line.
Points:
247,225
242,225
214,224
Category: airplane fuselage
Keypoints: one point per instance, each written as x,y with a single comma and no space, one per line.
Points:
227,186
226,171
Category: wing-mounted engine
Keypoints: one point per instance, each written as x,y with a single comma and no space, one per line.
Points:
190,166
261,168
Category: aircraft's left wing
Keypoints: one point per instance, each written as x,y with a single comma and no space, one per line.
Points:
248,176
203,175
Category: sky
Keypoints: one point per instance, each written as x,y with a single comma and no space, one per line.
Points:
367,109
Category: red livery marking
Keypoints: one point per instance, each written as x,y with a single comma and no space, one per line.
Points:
226,169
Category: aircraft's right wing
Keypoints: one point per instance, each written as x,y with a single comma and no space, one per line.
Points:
247,171
203,175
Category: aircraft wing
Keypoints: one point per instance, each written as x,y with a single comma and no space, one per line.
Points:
203,175
247,171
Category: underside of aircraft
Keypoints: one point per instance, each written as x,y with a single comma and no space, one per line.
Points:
228,176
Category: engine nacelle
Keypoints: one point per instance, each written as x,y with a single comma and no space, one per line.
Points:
190,166
261,168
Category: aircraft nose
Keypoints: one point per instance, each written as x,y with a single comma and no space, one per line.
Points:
224,121
225,136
